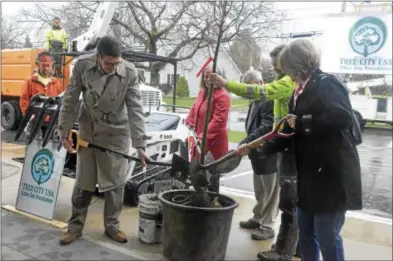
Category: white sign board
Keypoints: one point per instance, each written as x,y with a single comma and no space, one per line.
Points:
40,181
357,44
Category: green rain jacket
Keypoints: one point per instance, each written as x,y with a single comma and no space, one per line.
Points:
280,91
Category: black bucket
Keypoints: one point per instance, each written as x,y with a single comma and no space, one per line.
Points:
193,233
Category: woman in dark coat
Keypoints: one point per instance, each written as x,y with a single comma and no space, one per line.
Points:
329,177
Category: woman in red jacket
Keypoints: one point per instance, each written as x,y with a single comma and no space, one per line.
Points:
217,134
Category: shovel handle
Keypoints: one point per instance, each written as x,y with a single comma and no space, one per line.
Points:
271,135
220,160
85,144
79,142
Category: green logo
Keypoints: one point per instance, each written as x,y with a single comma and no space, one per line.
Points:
367,35
42,166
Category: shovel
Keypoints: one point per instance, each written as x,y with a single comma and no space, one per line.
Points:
179,166
232,159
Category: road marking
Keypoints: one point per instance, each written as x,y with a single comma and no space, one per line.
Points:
237,175
352,214
237,192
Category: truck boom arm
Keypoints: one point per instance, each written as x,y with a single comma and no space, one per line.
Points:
99,26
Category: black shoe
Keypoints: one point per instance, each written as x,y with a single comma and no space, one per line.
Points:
249,224
272,256
263,234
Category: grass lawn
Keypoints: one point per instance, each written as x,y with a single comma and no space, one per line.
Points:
238,104
236,136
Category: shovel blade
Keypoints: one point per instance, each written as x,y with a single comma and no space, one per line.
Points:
197,174
180,168
226,166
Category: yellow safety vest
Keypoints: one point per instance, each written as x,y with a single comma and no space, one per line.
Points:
59,35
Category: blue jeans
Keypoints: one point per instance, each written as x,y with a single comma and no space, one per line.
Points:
321,232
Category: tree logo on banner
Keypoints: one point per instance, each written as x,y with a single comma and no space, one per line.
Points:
42,166
368,35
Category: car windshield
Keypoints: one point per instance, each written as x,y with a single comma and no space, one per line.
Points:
161,122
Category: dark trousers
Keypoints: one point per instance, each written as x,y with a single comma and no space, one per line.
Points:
288,235
58,60
321,232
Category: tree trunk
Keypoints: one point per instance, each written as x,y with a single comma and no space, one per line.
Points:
154,76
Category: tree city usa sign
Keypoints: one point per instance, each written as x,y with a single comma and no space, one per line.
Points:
358,45
41,175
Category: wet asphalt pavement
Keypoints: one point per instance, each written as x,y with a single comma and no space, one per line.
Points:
376,162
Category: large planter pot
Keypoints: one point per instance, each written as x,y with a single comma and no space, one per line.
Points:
193,233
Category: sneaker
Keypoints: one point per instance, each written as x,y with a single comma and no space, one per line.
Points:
249,224
117,236
68,238
263,234
272,256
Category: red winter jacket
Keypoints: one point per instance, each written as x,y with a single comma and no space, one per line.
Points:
217,134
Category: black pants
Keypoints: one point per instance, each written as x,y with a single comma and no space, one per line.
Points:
58,59
288,235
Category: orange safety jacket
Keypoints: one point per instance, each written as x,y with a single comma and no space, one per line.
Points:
34,86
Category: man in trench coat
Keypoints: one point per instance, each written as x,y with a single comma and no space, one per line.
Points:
111,115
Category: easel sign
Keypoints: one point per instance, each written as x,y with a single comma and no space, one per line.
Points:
40,180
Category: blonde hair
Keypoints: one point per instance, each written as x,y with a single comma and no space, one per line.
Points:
202,84
300,58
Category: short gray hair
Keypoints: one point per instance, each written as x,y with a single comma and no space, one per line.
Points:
300,58
252,76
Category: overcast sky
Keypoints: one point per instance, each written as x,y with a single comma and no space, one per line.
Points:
302,16
12,7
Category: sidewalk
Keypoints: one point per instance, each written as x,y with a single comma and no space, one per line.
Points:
24,238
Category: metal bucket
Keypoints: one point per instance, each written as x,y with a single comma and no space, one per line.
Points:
150,219
193,233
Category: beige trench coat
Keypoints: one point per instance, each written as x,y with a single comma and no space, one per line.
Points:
106,116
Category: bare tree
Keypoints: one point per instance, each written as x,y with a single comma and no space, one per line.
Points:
174,29
267,70
11,34
245,52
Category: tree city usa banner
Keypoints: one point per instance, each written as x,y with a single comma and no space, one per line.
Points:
358,44
41,175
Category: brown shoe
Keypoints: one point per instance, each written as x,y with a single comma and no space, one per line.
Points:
68,238
118,236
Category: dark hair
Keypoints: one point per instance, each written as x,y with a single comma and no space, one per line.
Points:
109,46
276,51
56,18
44,53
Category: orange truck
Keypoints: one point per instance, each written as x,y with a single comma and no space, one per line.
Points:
16,66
